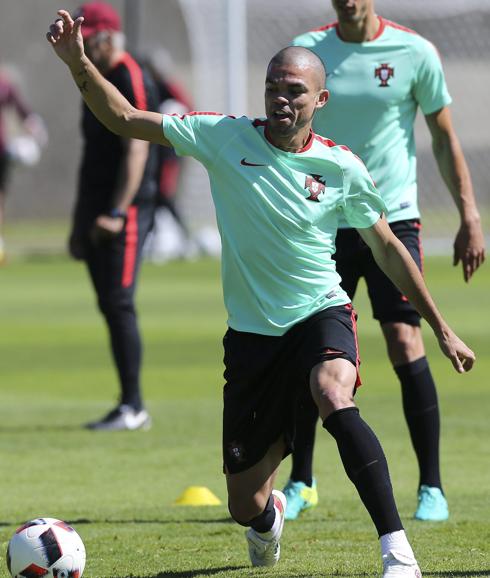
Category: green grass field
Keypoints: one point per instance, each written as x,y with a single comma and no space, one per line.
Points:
118,489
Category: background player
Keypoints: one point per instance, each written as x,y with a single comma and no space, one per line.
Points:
166,239
32,124
114,211
278,190
379,73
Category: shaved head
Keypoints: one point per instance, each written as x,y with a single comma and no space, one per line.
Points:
303,58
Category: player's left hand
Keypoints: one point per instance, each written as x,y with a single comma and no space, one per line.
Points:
458,352
106,227
469,248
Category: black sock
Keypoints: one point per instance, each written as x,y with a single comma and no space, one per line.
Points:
304,443
422,415
365,464
263,522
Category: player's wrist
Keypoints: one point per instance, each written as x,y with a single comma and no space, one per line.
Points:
118,214
471,219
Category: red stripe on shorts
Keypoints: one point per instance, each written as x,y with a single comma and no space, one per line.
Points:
354,329
131,246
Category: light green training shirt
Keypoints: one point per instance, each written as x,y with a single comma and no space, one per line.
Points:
375,89
277,213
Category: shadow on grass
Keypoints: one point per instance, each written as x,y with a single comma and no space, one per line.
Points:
459,574
29,428
181,521
192,573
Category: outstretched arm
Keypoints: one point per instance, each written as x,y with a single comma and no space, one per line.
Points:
469,245
102,97
396,262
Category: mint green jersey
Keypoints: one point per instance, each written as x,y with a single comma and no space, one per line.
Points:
375,89
277,213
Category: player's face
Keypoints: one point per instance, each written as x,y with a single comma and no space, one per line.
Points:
292,95
352,10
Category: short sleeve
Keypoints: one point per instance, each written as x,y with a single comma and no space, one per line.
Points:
362,202
199,135
430,89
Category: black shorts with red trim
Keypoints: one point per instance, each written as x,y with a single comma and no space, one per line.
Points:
354,260
266,377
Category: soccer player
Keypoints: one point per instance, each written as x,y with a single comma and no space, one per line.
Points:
279,190
379,73
114,211
172,98
32,124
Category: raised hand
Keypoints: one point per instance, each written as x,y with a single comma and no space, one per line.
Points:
65,37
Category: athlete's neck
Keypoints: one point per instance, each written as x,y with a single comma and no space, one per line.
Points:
360,31
289,143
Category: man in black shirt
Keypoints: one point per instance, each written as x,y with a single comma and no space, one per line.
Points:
114,211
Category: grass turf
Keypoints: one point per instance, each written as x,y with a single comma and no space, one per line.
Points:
118,489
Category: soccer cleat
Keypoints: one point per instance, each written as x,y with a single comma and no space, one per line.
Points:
432,506
267,551
396,565
300,497
122,417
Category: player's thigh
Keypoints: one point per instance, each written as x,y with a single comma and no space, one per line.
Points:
329,356
388,303
114,263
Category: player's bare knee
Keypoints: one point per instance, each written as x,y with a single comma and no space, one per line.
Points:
404,342
332,385
243,509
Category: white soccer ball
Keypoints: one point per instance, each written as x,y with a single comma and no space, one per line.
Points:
46,547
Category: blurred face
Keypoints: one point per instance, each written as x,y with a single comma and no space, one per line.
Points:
98,48
352,10
293,92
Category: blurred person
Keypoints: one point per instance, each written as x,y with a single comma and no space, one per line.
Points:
379,73
166,240
24,148
278,191
114,210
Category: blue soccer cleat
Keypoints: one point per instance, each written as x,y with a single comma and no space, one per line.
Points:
432,505
300,497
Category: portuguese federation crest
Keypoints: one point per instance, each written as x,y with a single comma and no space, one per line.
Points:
316,186
384,72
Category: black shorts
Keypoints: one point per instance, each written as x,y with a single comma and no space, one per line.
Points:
5,165
266,377
355,260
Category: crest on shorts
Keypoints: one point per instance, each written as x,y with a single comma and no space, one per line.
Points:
384,72
316,186
236,451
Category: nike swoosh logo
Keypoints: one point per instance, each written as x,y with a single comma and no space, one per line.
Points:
247,164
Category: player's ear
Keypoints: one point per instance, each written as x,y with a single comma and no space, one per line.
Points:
323,97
